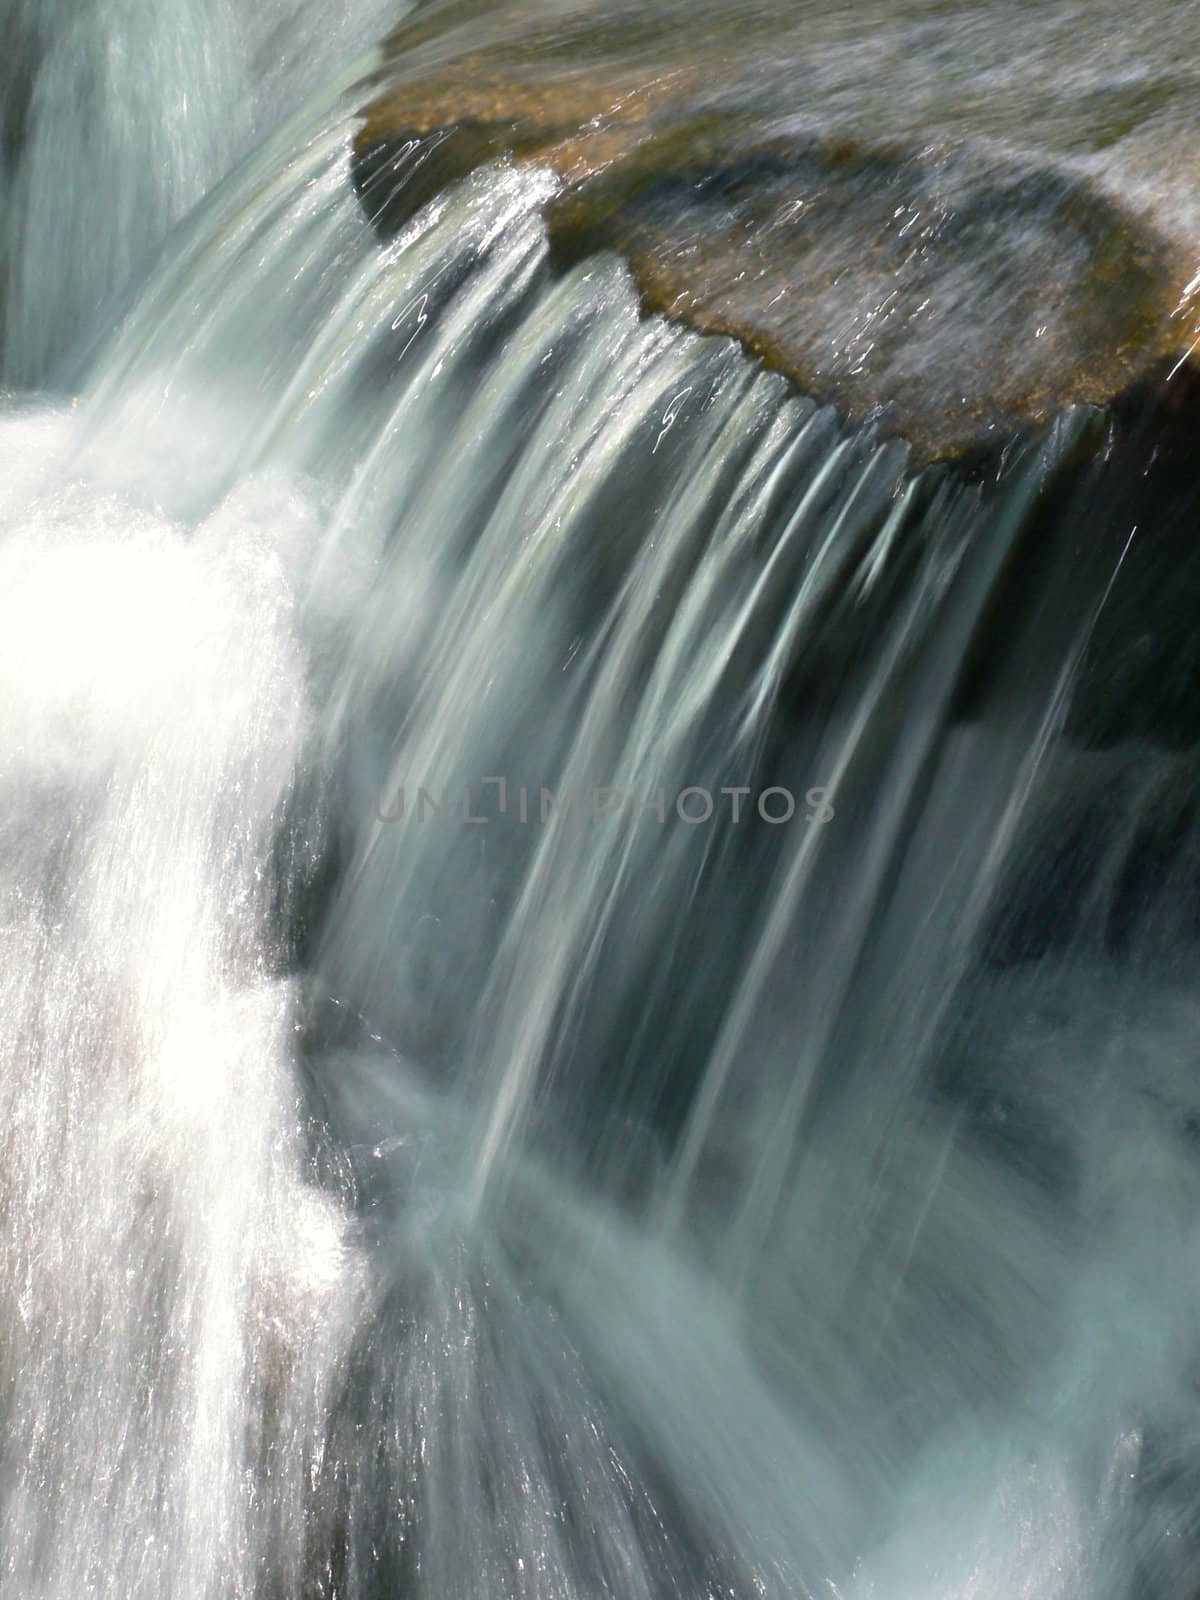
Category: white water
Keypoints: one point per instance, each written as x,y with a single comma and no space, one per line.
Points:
165,1264
120,116
550,1209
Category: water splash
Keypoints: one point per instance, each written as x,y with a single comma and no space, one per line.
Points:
571,1204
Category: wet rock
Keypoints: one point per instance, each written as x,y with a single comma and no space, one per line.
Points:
947,299
950,291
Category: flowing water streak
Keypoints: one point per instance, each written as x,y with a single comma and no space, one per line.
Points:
653,1247
166,1266
119,116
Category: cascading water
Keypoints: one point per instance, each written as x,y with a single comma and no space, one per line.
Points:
597,972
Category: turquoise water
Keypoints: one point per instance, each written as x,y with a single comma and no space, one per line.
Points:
765,1167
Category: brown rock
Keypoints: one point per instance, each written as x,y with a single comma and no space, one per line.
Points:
950,291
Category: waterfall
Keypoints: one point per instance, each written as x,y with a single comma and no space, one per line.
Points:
119,115
596,966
